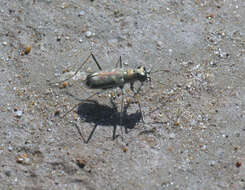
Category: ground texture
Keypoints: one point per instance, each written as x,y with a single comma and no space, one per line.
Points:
193,109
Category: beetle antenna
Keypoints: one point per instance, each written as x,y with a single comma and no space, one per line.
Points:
165,70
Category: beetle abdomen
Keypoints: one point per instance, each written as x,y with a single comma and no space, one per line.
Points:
105,80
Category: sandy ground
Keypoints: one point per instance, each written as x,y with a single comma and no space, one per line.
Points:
193,131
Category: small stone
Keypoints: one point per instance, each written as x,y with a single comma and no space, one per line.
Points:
10,148
5,43
81,13
159,45
213,64
171,135
88,34
58,38
63,85
203,146
238,164
18,113
212,163
57,113
27,49
124,149
64,5
81,162
23,159
170,51
210,16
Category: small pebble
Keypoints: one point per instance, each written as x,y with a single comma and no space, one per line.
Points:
238,164
64,5
81,13
5,43
81,162
58,38
88,34
23,159
57,113
124,149
203,146
18,113
159,45
63,85
212,163
10,148
27,49
171,135
210,16
170,51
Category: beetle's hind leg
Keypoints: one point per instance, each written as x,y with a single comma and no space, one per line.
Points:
120,62
52,83
95,60
122,110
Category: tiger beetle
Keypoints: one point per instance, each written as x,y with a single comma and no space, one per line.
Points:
111,79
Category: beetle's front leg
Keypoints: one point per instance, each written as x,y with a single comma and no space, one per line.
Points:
132,88
136,97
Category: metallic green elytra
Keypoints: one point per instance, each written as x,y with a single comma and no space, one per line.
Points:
116,78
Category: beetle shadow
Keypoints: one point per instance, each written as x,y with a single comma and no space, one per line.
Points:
99,114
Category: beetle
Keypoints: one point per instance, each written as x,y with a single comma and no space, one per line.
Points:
111,79
116,78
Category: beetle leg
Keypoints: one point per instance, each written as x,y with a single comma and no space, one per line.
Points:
74,73
120,62
132,88
95,60
138,102
139,89
136,97
122,110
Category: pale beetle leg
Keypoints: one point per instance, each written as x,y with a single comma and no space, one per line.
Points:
95,60
75,72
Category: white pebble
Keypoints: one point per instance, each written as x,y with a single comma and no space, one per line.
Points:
171,135
18,113
81,13
88,34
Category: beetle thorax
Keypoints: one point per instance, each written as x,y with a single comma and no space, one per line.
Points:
130,75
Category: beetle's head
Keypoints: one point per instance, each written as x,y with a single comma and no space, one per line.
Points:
142,74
